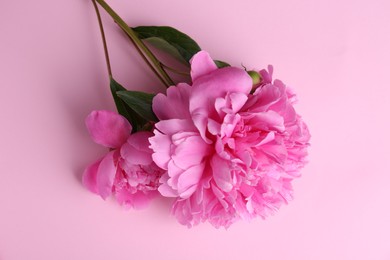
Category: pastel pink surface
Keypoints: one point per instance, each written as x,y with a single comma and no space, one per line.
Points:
52,74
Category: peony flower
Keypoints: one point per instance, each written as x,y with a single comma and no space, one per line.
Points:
127,171
228,153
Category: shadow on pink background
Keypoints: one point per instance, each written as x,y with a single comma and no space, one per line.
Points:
334,53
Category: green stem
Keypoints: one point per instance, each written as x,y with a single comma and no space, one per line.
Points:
103,39
150,65
137,42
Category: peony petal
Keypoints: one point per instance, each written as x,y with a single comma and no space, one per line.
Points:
140,141
269,120
220,105
142,200
137,200
190,178
217,84
183,212
133,156
290,116
161,145
108,128
89,176
136,150
275,151
221,173
175,104
106,174
268,138
267,75
164,189
173,126
268,97
201,64
229,124
209,88
174,173
190,152
200,120
213,127
238,101
188,192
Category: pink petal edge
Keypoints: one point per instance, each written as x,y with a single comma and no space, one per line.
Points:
108,128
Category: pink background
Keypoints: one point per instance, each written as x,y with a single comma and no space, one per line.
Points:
334,53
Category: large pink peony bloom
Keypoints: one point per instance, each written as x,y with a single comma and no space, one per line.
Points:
228,153
128,170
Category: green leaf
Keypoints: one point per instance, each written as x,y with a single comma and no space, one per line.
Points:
175,42
139,102
120,105
221,64
166,47
137,122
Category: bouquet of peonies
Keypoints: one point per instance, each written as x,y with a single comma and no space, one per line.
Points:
226,144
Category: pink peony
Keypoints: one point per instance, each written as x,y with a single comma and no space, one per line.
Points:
228,153
127,171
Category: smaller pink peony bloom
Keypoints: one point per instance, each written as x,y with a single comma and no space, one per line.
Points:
127,171
230,152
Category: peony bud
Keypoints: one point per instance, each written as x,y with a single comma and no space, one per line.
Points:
256,78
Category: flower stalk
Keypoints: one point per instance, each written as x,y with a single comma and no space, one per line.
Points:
103,39
148,56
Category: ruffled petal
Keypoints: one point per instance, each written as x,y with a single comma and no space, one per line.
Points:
189,180
89,176
269,120
161,145
108,128
191,151
222,173
136,150
165,189
140,141
267,75
137,200
211,87
175,104
172,126
201,64
106,174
